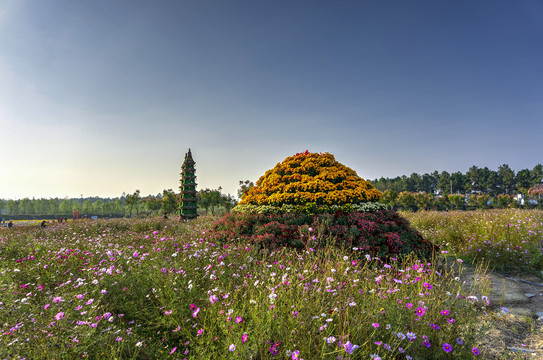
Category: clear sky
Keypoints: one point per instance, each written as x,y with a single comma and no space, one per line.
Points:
103,97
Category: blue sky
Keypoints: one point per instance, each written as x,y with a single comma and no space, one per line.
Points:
103,97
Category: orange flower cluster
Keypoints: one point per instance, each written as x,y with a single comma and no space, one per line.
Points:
310,178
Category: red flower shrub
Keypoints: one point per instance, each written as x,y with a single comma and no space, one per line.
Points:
382,233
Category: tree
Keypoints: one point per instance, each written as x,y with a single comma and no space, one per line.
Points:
228,202
406,200
444,183
524,179
12,207
168,202
53,206
133,201
491,182
87,207
506,179
187,197
537,175
423,201
458,182
26,207
244,186
98,207
474,180
389,198
456,201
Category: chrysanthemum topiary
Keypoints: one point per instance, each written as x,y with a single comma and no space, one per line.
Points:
312,201
310,178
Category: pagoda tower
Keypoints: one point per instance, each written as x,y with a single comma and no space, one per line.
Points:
187,197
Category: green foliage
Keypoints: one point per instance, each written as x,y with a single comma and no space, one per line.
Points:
309,208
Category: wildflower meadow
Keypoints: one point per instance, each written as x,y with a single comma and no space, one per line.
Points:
164,289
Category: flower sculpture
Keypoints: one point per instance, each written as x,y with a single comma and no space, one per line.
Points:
310,178
311,201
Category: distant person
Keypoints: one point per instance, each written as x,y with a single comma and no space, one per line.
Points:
10,224
43,224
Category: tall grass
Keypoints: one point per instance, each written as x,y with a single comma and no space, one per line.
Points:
159,289
507,239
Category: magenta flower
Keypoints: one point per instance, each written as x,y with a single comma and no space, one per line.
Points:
59,316
200,332
447,348
195,313
46,306
445,312
238,319
244,338
295,354
213,298
375,325
475,351
420,311
173,350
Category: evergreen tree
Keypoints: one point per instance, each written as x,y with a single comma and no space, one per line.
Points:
187,198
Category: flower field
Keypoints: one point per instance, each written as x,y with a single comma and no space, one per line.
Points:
162,289
509,239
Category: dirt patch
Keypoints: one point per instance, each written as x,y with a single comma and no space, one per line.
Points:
512,326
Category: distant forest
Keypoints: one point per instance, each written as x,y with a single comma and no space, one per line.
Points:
475,181
127,205
474,189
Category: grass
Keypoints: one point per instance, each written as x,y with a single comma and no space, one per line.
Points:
510,240
155,288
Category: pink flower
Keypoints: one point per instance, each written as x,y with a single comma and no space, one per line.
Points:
244,338
195,313
59,316
46,306
239,319
200,332
173,350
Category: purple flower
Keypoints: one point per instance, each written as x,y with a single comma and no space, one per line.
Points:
475,351
350,347
459,341
447,348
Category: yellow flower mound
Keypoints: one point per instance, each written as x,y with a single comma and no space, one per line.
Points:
310,178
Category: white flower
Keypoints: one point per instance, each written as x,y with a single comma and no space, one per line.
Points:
139,344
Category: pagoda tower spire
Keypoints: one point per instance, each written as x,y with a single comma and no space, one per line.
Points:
187,197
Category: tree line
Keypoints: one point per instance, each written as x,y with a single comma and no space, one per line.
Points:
127,205
475,181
